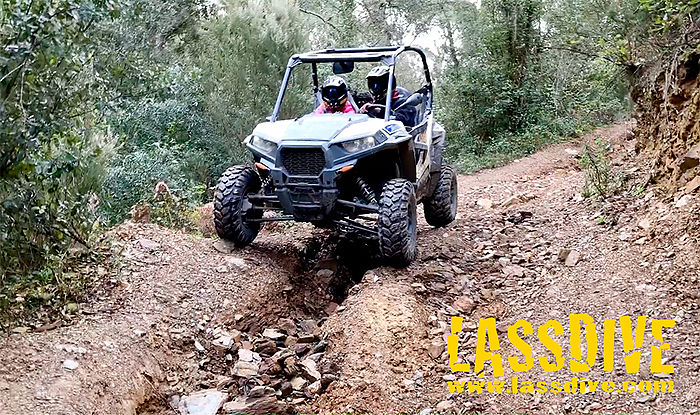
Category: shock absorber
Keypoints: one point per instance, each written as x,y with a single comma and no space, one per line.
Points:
366,190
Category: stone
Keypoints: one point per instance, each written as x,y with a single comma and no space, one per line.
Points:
236,262
691,158
464,304
245,369
572,259
314,388
309,326
436,349
308,367
198,346
444,406
485,204
206,402
286,389
224,341
222,269
426,411
246,355
644,224
224,247
269,366
260,391
683,201
273,334
266,347
70,364
288,326
693,185
514,271
247,405
147,244
325,273
298,383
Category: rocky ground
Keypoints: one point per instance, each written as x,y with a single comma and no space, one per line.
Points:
303,321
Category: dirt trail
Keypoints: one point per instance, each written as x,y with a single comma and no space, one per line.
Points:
151,339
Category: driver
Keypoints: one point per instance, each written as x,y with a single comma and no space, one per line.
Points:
378,83
334,93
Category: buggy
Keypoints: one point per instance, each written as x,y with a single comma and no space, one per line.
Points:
358,173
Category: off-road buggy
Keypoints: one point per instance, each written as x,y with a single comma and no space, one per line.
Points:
361,174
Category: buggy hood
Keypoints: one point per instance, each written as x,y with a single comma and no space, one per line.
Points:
320,128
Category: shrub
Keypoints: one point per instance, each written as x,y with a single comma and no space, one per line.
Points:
601,180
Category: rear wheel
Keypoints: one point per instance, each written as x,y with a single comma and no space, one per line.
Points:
441,208
398,220
232,209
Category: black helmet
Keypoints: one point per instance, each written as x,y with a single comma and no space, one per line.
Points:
378,82
334,92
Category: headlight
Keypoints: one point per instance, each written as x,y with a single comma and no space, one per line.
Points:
360,144
266,146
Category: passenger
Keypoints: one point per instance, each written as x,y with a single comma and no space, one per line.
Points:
334,93
378,83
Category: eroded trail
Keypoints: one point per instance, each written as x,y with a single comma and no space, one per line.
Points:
184,316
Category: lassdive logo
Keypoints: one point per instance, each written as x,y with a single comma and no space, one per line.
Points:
549,335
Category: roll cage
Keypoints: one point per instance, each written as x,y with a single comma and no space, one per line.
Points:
386,55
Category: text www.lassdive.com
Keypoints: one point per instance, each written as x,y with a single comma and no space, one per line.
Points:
575,385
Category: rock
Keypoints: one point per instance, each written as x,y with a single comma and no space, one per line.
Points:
683,201
288,326
309,326
260,391
224,247
594,406
20,330
572,259
436,349
247,405
198,346
644,224
327,379
444,406
426,411
266,347
314,388
691,158
246,355
224,341
72,308
464,304
309,370
298,383
306,338
572,152
273,334
510,201
693,185
569,257
222,269
206,402
147,244
236,262
245,369
286,389
269,366
514,271
325,273
70,364
485,204
331,307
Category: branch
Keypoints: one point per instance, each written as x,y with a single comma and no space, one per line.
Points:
326,21
584,53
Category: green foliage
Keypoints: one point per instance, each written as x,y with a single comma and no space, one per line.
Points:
670,14
601,180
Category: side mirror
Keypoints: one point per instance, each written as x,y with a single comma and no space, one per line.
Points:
343,67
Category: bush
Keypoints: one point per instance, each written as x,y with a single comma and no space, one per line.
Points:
601,181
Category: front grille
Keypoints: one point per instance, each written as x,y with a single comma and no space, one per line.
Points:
303,161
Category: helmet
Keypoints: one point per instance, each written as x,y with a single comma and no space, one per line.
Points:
378,82
334,92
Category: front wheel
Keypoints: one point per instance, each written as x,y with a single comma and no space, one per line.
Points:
232,209
398,220
441,207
